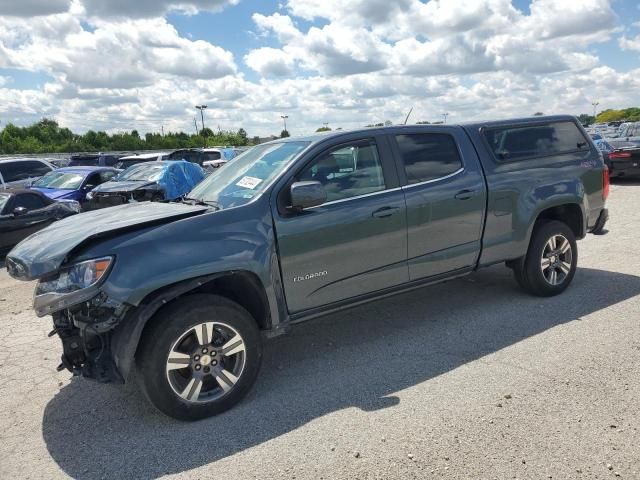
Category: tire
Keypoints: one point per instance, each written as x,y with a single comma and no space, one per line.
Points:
189,372
547,271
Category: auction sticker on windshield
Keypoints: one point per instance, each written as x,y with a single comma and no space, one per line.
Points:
249,182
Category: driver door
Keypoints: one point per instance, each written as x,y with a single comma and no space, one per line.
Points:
353,244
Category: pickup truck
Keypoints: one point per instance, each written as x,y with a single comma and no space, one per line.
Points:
184,293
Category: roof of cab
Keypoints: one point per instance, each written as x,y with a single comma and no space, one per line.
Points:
322,136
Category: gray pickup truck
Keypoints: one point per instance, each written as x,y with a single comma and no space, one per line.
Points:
184,292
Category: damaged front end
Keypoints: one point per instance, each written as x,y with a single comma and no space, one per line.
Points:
86,332
83,317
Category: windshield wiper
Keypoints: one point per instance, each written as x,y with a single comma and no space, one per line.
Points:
199,201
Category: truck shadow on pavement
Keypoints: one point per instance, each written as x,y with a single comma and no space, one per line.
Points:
358,358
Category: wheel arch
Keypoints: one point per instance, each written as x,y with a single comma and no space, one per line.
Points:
240,286
570,214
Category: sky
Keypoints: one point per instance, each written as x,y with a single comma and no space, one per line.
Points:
119,65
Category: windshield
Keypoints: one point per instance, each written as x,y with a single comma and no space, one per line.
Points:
248,175
60,180
3,201
142,172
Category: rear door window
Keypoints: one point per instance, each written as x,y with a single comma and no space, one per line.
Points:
518,142
428,156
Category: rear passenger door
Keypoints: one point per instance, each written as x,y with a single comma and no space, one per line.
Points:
445,194
353,244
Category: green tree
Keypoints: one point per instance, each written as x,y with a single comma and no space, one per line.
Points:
46,136
586,119
243,137
284,134
323,129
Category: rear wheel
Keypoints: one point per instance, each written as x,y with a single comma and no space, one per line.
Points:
551,260
200,357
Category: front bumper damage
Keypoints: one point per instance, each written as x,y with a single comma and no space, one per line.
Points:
87,335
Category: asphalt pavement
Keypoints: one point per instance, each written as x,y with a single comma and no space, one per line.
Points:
467,379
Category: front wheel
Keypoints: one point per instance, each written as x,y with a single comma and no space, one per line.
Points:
199,357
551,260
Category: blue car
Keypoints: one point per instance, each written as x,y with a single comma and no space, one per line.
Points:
73,183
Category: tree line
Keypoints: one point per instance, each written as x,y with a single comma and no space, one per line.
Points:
46,136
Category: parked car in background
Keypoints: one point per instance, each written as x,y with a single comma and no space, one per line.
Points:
93,160
23,212
73,183
59,162
622,157
151,181
205,157
127,161
629,132
216,157
595,136
21,172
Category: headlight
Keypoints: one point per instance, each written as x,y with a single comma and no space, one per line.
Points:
76,277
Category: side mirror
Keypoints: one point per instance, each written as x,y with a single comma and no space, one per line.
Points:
307,194
19,211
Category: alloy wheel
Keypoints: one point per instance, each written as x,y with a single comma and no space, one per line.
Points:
206,362
556,261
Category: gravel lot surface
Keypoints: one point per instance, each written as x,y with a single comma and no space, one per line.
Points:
467,379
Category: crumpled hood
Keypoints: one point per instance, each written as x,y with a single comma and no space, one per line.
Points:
124,186
43,252
55,193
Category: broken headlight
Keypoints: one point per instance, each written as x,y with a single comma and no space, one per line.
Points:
75,277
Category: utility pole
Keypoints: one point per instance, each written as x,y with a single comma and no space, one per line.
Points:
201,108
162,128
195,124
445,115
594,105
284,119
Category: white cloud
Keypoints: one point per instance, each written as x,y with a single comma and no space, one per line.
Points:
125,54
30,8
359,62
151,8
270,62
630,43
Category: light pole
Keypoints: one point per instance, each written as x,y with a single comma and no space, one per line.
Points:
284,120
445,115
201,108
594,105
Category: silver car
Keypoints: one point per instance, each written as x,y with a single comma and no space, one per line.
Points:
22,172
630,132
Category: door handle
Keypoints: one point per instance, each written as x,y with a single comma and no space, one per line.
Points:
385,212
465,194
